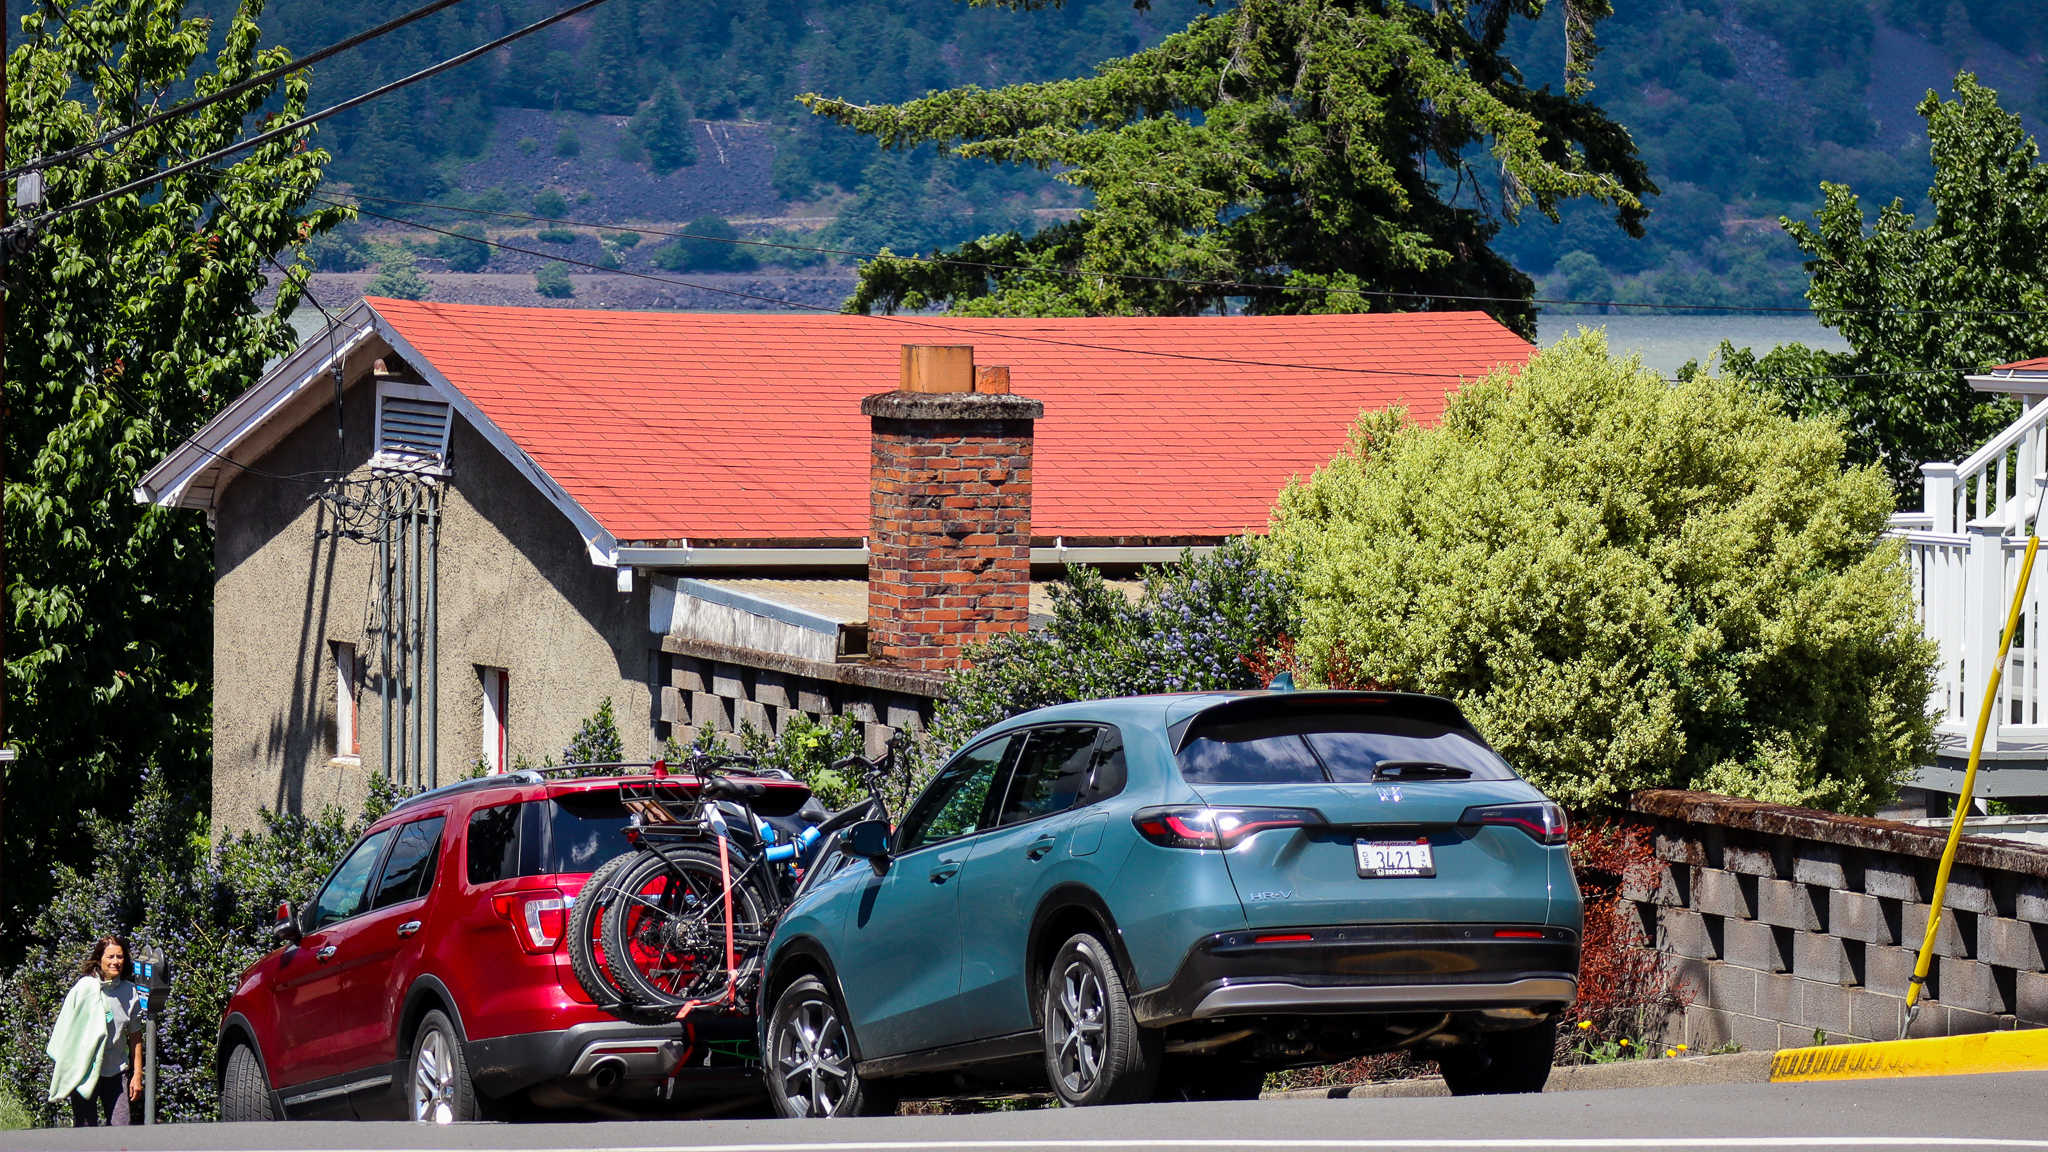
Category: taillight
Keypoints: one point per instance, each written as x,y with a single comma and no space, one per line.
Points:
1543,821
1199,826
538,918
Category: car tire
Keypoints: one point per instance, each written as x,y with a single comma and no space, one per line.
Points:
244,1092
437,1085
1198,1078
1095,1053
1502,1063
637,937
809,1066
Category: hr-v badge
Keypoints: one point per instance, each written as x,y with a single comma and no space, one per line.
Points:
1391,795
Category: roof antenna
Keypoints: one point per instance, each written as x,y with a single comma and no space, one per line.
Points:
1284,682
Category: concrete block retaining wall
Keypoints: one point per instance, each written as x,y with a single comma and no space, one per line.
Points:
1785,920
699,684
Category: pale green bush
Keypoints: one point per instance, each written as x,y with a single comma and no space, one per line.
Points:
1625,582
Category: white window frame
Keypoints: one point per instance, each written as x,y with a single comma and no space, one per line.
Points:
496,684
348,733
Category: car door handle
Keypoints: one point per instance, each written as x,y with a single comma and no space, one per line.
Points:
408,928
325,954
1040,847
944,872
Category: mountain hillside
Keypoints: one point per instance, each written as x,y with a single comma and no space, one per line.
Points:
652,113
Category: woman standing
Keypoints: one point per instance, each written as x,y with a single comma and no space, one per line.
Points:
97,1038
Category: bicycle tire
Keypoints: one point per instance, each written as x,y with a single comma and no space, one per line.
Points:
668,927
585,932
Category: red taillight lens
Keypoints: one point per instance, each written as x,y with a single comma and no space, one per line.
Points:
1543,821
538,918
1517,934
1290,938
1197,826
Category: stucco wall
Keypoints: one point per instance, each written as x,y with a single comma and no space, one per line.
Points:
517,591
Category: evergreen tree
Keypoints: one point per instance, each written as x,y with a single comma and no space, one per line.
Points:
398,276
665,130
1293,152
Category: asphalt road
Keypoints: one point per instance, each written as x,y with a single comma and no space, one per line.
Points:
2008,1110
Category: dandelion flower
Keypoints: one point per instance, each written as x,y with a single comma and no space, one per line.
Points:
1585,1023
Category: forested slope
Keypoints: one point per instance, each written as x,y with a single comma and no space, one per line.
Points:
1742,108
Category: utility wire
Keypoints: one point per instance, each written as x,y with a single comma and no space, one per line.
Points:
191,106
1227,286
799,305
46,218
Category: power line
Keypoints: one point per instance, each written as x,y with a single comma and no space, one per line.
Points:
1226,286
191,106
799,305
303,122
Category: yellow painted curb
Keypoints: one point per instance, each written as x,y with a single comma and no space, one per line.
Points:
1935,1056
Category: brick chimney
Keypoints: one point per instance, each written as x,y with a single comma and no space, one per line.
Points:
950,504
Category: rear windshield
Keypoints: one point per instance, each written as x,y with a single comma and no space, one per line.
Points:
1345,749
575,832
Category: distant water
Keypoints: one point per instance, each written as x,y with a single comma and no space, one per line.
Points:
1666,342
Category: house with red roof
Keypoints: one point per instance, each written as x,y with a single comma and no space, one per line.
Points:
445,534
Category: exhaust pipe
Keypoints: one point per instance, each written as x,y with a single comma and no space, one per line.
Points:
605,1076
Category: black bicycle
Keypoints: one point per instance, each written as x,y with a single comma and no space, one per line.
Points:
678,921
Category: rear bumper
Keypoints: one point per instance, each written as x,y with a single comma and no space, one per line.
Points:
502,1065
1354,969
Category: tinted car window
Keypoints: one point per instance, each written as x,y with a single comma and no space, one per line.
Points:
952,805
1052,772
1109,767
494,843
1343,748
1352,756
346,890
574,832
409,870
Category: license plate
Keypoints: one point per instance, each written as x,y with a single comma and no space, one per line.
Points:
1394,859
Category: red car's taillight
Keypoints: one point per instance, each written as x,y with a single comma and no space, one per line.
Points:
1199,826
1543,821
538,918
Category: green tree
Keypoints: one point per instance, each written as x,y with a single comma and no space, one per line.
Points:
550,202
465,251
552,280
1325,146
664,129
398,275
1625,583
129,324
1923,304
715,252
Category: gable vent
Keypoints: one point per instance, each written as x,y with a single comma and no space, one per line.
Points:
412,427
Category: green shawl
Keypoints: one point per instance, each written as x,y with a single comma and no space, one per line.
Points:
79,1039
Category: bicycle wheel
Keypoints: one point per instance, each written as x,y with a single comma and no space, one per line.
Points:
586,943
664,934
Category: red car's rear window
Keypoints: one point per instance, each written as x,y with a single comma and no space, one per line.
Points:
568,832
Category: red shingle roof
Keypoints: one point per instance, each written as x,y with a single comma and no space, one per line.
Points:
747,426
2037,364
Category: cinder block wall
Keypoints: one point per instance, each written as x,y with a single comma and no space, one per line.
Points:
705,685
1786,920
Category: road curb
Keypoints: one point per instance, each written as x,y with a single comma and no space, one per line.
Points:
1732,1068
1932,1056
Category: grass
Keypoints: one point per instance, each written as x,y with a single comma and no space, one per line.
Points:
13,1115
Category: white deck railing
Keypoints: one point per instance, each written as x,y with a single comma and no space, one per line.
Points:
1964,552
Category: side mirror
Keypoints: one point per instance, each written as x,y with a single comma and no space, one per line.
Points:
286,929
869,839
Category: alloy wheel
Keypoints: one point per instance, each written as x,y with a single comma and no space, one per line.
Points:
1080,1032
813,1057
433,1080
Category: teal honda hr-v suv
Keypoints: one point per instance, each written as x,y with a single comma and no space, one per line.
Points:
1167,897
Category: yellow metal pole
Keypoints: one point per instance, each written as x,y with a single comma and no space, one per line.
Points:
1955,828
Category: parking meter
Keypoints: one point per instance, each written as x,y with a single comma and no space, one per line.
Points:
153,978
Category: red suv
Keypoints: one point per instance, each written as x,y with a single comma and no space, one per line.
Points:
428,978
